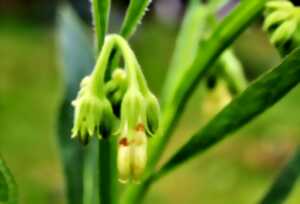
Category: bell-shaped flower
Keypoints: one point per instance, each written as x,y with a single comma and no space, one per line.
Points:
93,115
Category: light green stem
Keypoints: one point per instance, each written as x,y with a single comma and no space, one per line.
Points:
98,74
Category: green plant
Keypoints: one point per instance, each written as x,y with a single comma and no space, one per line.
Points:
118,119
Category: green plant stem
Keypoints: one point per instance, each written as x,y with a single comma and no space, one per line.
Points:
224,34
90,192
107,171
134,15
98,73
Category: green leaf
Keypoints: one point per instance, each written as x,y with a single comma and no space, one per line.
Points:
101,10
285,182
259,96
8,188
134,15
77,59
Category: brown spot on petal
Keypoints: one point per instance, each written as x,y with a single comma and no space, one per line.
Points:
140,127
124,141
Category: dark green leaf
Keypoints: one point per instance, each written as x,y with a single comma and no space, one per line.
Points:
76,55
8,188
101,10
134,15
285,182
259,96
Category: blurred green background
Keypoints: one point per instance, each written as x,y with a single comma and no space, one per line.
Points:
237,171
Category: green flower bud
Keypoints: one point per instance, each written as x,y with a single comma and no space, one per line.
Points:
274,5
132,109
275,18
282,21
152,113
93,115
120,76
284,32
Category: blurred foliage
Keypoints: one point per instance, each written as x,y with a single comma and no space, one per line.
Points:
30,91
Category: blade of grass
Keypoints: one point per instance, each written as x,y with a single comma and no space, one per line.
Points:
8,187
77,60
285,182
224,34
101,10
258,97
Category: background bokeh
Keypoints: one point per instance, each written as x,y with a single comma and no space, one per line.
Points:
237,171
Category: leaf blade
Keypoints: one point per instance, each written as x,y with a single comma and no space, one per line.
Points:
259,96
134,15
8,187
101,10
285,181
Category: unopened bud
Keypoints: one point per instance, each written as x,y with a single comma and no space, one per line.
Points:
152,112
93,115
132,108
284,32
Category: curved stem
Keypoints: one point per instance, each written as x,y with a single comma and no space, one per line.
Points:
130,59
98,74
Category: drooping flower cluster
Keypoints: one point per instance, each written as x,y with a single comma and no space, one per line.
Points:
125,97
282,22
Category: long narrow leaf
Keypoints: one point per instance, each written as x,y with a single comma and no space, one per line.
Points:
76,54
134,15
8,187
285,182
259,96
101,10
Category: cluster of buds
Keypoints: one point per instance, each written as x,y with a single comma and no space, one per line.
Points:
282,22
125,97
